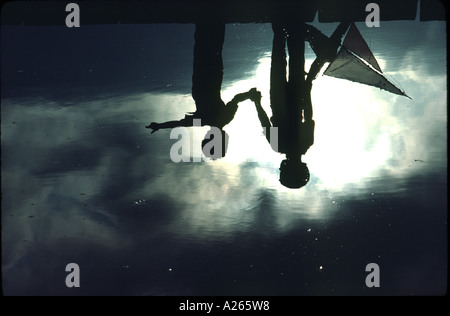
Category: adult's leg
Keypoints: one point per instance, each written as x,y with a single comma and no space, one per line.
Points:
296,48
307,103
278,75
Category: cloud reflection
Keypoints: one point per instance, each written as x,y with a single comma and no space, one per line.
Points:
89,179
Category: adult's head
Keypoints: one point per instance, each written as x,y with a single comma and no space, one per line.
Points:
294,173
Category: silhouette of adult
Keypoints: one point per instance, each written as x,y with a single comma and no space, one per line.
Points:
290,99
206,86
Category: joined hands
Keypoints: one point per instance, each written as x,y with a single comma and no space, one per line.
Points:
255,95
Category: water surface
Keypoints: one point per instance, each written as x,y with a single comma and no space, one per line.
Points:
83,181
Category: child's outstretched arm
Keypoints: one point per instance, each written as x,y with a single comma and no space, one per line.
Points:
186,122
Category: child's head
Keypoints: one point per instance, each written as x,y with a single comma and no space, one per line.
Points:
215,143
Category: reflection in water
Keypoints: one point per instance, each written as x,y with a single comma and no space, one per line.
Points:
87,183
206,85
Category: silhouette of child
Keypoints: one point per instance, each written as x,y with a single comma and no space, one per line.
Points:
206,85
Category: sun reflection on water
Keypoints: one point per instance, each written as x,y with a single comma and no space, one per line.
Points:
353,131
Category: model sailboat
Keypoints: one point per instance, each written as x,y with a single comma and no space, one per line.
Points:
356,62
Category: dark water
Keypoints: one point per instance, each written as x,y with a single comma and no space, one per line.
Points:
83,181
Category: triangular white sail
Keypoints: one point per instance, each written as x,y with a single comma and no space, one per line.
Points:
351,66
355,43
